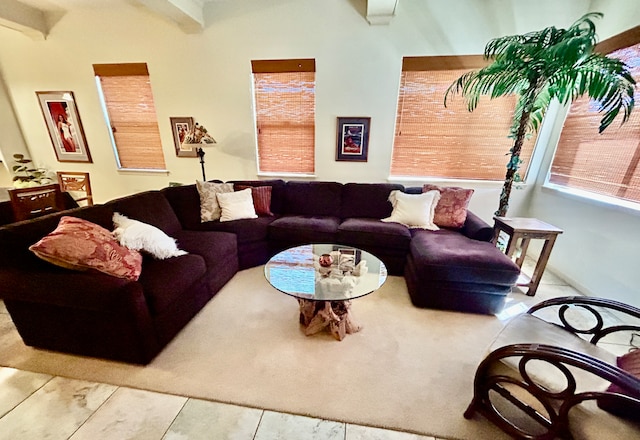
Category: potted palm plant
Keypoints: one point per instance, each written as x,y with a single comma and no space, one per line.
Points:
539,67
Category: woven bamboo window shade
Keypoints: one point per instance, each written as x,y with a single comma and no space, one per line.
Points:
285,115
434,141
129,101
605,163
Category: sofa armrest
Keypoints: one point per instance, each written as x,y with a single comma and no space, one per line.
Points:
65,288
476,228
608,316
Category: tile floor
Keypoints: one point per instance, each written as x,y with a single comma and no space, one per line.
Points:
38,406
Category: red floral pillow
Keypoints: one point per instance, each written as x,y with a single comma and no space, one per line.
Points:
451,210
80,245
261,198
630,363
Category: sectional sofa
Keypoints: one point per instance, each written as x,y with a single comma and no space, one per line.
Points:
95,314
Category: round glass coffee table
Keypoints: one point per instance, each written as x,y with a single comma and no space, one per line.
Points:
325,278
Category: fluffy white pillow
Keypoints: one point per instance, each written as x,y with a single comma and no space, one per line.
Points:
209,207
144,237
414,210
236,205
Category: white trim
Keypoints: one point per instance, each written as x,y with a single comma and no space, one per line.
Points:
143,170
593,198
105,113
305,176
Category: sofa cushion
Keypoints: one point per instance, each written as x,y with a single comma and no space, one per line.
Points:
78,244
150,207
368,232
451,210
413,210
209,204
367,200
140,236
446,255
528,329
246,230
164,281
185,202
304,229
215,247
313,198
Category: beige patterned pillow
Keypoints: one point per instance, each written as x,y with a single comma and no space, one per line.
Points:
209,207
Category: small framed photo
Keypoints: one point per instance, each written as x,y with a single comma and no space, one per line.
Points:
180,127
353,139
64,126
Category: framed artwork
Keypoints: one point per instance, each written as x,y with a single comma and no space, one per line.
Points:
353,139
180,127
65,129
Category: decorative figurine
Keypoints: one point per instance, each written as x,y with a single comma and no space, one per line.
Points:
325,260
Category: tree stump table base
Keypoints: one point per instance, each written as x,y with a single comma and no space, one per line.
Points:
316,316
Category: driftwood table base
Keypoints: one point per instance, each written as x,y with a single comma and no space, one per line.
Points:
315,316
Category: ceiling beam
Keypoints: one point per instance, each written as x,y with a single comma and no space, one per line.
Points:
187,14
381,11
23,18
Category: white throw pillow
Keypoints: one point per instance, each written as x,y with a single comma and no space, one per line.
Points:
414,210
139,236
236,205
209,207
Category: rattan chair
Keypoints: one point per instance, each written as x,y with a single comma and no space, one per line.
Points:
75,183
557,372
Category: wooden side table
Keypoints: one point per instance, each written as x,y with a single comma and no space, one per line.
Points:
526,229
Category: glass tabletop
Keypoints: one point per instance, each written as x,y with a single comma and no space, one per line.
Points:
325,272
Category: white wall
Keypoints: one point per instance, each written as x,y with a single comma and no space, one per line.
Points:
207,76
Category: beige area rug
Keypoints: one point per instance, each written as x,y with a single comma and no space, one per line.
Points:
409,369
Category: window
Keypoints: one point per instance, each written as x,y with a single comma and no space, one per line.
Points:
434,141
603,164
284,92
125,91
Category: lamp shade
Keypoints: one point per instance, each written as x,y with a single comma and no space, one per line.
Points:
198,135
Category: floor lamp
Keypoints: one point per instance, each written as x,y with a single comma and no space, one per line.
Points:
198,136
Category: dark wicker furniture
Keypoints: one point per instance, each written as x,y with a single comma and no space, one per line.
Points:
554,383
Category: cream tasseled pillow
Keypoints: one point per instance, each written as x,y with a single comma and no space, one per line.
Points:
236,205
414,210
209,207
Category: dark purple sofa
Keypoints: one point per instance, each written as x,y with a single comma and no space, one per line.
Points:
93,314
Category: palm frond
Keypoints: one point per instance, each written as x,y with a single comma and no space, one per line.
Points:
607,81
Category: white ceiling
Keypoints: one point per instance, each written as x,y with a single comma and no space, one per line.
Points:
30,16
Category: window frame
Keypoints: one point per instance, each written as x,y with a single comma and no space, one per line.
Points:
301,65
459,63
624,39
125,70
